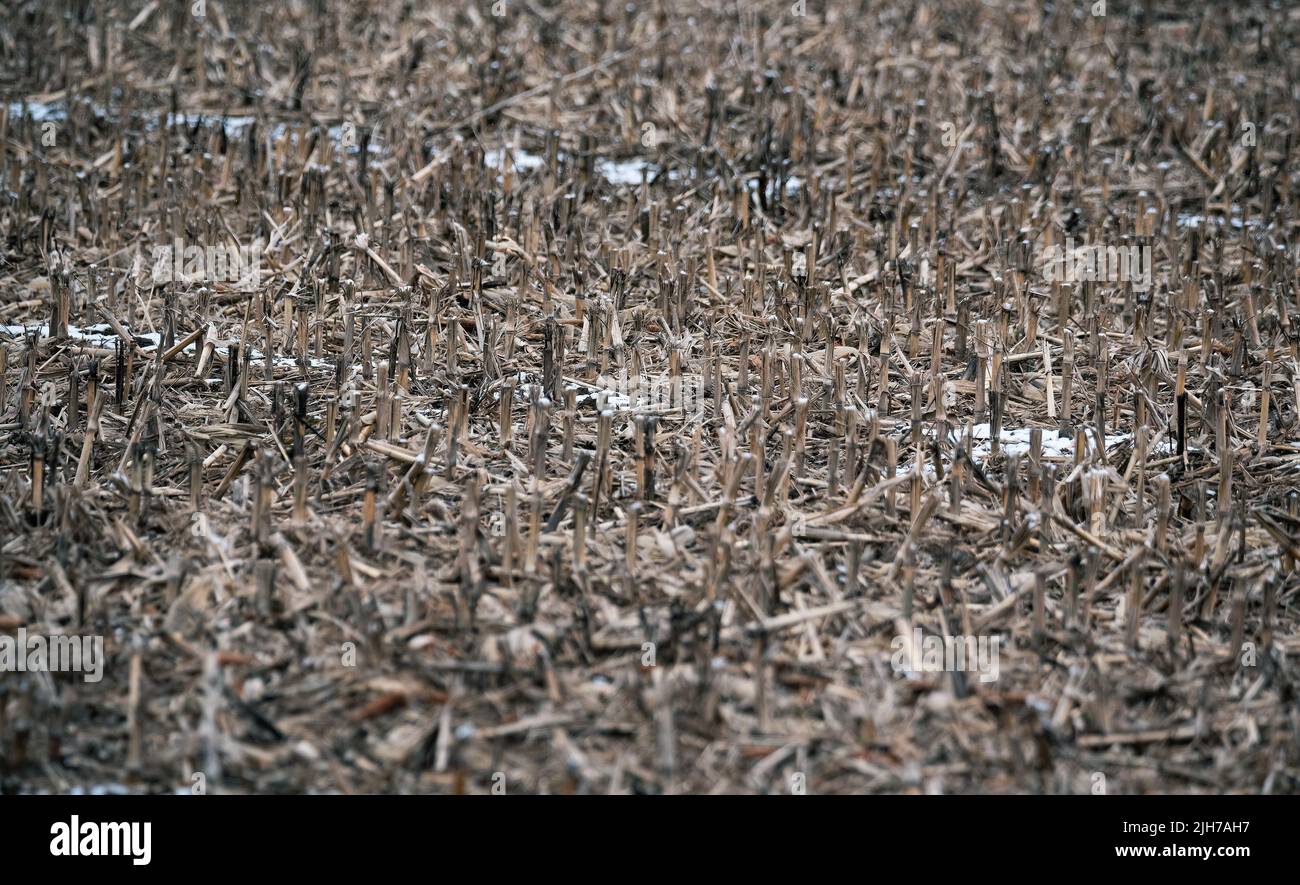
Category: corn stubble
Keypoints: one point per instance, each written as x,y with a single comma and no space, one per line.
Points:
400,517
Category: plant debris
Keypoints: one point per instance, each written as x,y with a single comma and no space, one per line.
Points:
590,397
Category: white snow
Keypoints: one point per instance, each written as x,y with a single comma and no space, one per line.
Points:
616,172
102,335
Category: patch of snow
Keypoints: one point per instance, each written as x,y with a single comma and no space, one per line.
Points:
793,184
102,335
1016,442
236,126
520,160
626,172
1056,446
40,110
621,173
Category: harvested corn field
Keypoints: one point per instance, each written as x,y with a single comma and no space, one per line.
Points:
663,397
